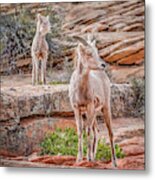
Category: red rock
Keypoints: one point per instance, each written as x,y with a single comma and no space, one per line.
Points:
65,123
133,146
132,162
57,160
85,163
138,58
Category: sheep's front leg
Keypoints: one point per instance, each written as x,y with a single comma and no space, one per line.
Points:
91,113
36,64
89,144
79,124
43,71
95,139
33,72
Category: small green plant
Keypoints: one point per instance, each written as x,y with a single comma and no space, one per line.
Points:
57,82
65,142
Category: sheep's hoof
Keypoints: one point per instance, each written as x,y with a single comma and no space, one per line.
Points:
79,159
90,159
114,164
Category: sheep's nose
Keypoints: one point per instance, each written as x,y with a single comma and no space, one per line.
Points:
103,65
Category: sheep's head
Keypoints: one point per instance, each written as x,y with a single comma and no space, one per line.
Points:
43,24
88,53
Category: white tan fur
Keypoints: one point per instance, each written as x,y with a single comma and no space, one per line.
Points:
89,92
39,50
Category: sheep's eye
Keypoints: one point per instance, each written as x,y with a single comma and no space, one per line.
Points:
89,54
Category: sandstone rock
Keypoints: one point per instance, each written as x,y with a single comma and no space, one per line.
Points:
132,163
125,74
28,101
127,163
133,146
124,51
24,137
14,163
133,150
9,107
114,24
57,160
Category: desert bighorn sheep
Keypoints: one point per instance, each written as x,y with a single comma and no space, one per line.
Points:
89,92
39,50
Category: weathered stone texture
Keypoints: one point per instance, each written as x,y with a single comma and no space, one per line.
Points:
29,101
117,25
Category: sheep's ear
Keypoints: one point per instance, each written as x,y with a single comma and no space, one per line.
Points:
47,17
38,17
94,42
82,48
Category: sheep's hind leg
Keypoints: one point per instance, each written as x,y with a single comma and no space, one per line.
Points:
33,72
107,118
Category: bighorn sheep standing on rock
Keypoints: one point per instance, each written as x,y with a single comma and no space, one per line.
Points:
39,50
89,92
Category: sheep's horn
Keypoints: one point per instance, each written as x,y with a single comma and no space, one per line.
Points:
83,41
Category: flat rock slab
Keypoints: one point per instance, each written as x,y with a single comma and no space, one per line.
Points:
19,99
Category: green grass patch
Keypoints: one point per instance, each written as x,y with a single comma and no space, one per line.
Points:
65,142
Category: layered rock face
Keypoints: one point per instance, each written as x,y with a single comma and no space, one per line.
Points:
29,112
19,99
117,25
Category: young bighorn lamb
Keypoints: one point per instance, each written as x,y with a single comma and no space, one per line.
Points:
39,50
89,92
